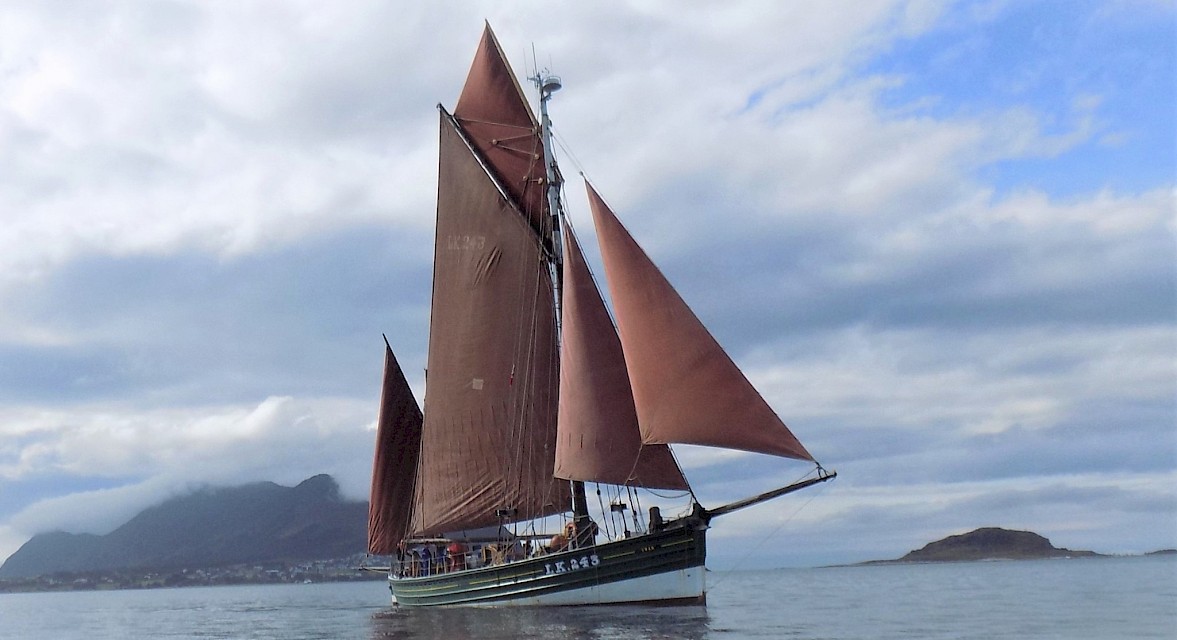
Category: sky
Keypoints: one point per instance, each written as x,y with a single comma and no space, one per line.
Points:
939,237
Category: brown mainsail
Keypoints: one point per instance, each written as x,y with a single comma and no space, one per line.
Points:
490,396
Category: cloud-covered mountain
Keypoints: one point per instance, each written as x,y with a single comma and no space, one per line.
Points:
257,522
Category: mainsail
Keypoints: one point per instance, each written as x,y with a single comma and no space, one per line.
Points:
398,439
491,386
686,389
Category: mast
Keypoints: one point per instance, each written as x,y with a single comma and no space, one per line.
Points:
548,84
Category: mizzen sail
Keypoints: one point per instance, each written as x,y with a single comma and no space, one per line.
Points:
598,439
686,389
398,439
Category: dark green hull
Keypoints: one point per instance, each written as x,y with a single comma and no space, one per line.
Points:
664,567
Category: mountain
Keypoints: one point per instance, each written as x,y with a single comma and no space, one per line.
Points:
260,522
988,543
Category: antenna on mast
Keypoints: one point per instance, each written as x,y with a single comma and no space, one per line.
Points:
534,63
543,79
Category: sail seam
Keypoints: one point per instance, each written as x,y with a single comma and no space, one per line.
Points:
463,119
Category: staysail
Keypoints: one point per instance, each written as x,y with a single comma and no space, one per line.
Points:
398,439
686,389
487,451
598,438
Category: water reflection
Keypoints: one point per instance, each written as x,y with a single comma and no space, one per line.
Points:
578,623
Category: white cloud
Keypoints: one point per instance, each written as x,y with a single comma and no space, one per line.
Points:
144,131
979,385
99,511
281,439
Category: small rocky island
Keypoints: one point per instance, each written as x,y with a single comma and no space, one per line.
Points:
989,543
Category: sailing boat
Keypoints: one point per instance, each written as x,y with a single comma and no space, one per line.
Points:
533,391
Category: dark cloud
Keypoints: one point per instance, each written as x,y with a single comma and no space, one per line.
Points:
191,328
1117,437
761,284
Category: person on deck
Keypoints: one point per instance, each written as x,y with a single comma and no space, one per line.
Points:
559,542
426,562
456,557
656,522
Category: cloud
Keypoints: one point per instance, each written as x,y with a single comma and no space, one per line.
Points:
191,328
75,512
124,149
280,439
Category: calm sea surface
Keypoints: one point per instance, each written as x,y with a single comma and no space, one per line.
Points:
1083,598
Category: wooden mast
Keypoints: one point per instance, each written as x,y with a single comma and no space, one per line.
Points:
547,85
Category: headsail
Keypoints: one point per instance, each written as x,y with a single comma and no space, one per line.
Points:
491,388
398,439
686,389
598,437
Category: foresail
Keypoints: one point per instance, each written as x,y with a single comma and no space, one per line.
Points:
597,432
398,439
686,388
494,114
487,450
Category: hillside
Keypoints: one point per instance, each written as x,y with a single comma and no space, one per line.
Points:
213,527
989,543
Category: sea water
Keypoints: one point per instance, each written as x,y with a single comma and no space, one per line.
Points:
1104,598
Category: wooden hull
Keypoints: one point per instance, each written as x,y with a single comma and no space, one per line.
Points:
666,567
